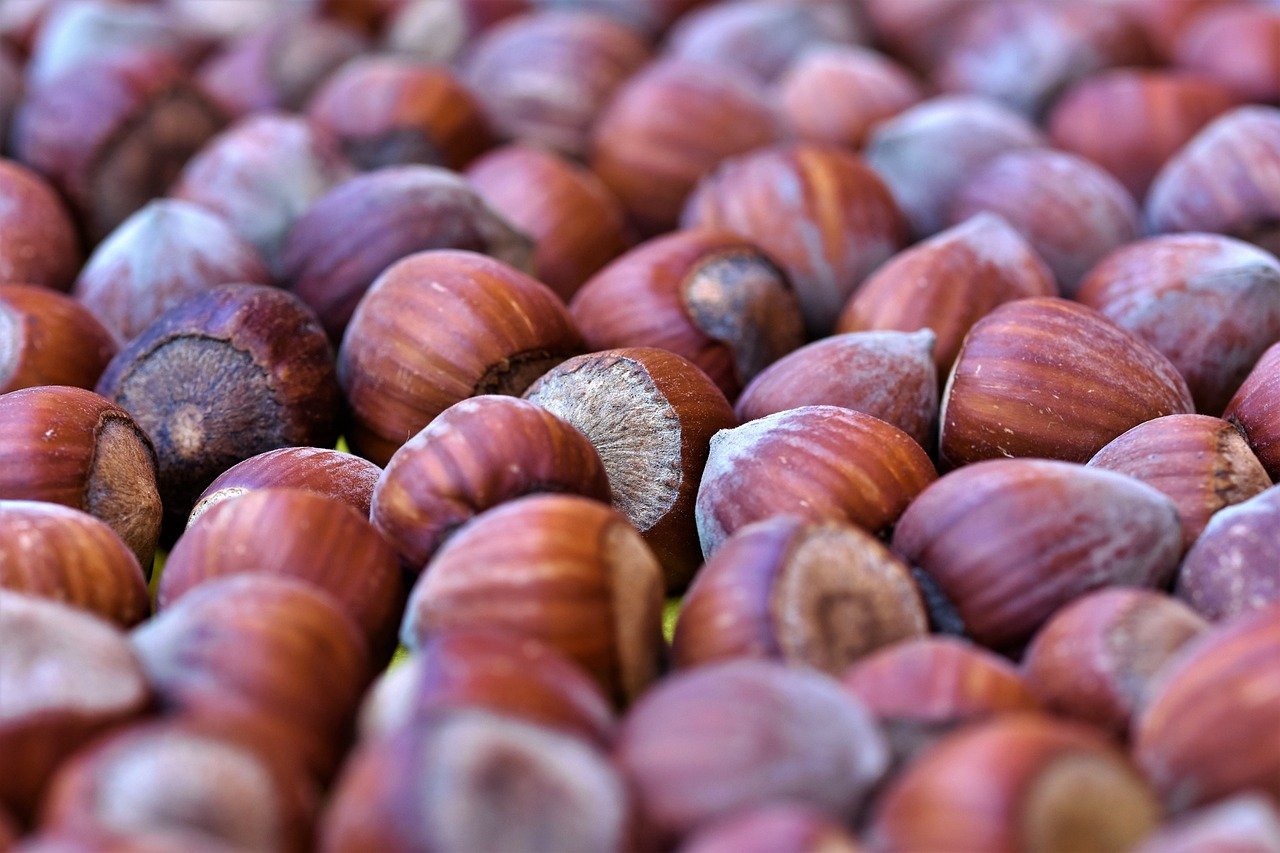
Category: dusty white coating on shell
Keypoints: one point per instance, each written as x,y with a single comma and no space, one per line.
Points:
1228,564
11,342
992,240
1244,822
430,30
77,32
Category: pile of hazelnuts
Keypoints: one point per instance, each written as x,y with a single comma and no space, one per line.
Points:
639,425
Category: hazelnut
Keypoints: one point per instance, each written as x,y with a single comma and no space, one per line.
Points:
47,338
66,555
226,374
820,595
73,34
38,241
669,125
439,30
1245,822
353,233
218,22
1093,660
651,415
1024,782
719,739
1203,464
95,839
915,30
1010,541
1234,567
476,454
818,210
1252,67
436,328
562,569
10,91
709,296
546,76
114,135
1164,23
948,282
820,463
577,226
1255,410
769,829
1047,377
165,253
72,447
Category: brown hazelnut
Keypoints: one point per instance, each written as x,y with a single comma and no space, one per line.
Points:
820,595
1255,410
38,241
1244,822
1234,567
1010,541
436,328
85,31
562,569
230,372
476,454
1164,23
651,415
353,233
819,211
576,224
1052,378
709,296
165,253
72,447
1093,660
821,463
47,338
915,30
64,554
769,829
1251,68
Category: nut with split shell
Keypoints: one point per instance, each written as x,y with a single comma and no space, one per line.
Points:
48,338
1234,567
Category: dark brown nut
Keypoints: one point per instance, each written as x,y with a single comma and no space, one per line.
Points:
38,242
1199,736
229,373
1255,410
476,454
261,174
1211,304
69,556
1244,822
470,780
487,669
185,778
47,338
819,211
270,656
1069,210
576,224
1203,464
562,569
301,535
545,77
1252,67
354,232
1011,541
278,67
762,38
1052,378
86,31
72,447
669,125
915,30
732,736
1095,658
1234,567
389,112
439,327
651,415
1025,782
114,135
432,31
769,829
819,595
709,296
872,88
1130,121
1218,181
331,473
948,282
927,152
65,677
820,463
165,253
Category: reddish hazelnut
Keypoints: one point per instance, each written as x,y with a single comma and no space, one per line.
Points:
401,364
1252,66
669,125
1011,541
709,296
651,415
1047,377
562,569
476,454
770,829
915,30
1234,567
353,233
1255,410
38,242
819,211
86,31
47,338
1246,822
1164,22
